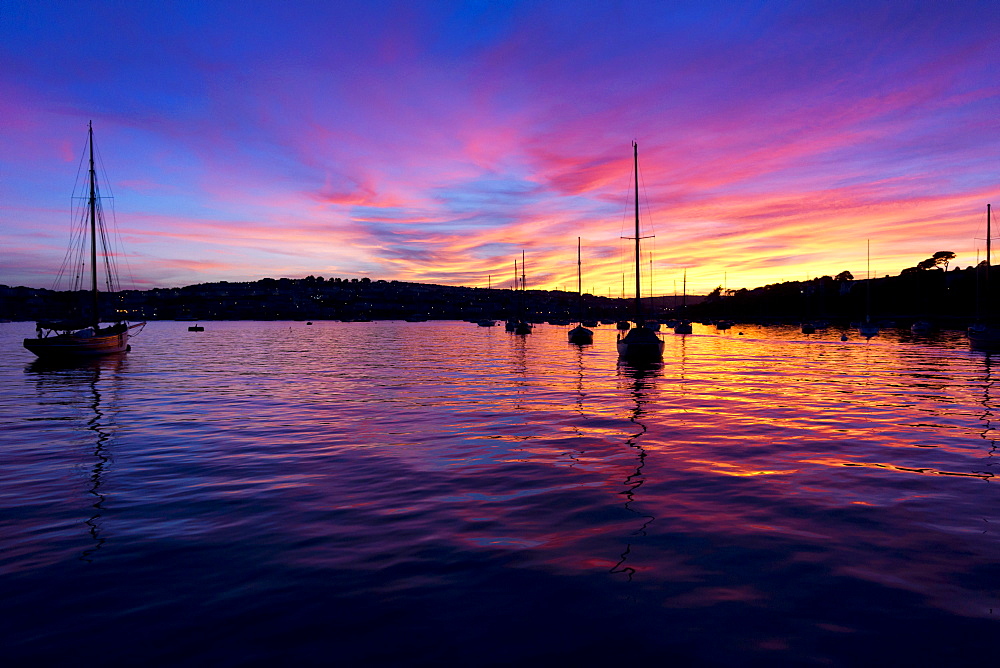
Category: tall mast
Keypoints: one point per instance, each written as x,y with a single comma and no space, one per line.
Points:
988,235
638,299
93,227
868,277
685,292
524,286
986,281
652,308
579,283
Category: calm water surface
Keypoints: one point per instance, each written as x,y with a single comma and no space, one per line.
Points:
443,494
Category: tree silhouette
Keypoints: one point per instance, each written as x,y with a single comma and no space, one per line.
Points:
937,261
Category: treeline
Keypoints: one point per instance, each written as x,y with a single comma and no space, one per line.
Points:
318,298
925,292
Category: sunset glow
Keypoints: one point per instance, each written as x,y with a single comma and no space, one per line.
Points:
435,142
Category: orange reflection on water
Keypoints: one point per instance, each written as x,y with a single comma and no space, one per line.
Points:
735,469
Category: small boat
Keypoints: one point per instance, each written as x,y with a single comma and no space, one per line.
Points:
486,323
984,337
723,324
683,326
199,328
518,326
580,335
868,329
639,344
808,328
81,334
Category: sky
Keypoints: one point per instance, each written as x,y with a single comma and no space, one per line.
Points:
437,141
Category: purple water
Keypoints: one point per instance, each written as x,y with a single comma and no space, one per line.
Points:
437,494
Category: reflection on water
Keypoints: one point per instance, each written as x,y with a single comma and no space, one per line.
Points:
444,494
76,384
988,433
639,379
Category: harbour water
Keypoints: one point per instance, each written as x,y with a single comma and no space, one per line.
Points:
440,494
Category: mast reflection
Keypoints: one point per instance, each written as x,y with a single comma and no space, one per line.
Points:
987,415
67,377
640,381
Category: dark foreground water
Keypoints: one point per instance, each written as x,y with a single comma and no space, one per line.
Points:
438,494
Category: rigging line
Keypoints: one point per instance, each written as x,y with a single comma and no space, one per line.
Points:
108,242
111,276
622,262
78,249
649,225
118,245
101,232
74,230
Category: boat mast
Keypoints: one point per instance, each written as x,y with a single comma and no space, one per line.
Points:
684,294
638,298
868,277
579,269
579,283
93,227
652,305
988,234
524,287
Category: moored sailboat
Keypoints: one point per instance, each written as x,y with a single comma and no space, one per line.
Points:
683,326
517,324
640,344
83,332
580,335
868,329
984,334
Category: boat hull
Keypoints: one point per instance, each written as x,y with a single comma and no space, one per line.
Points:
580,336
640,344
984,337
868,331
68,346
640,351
